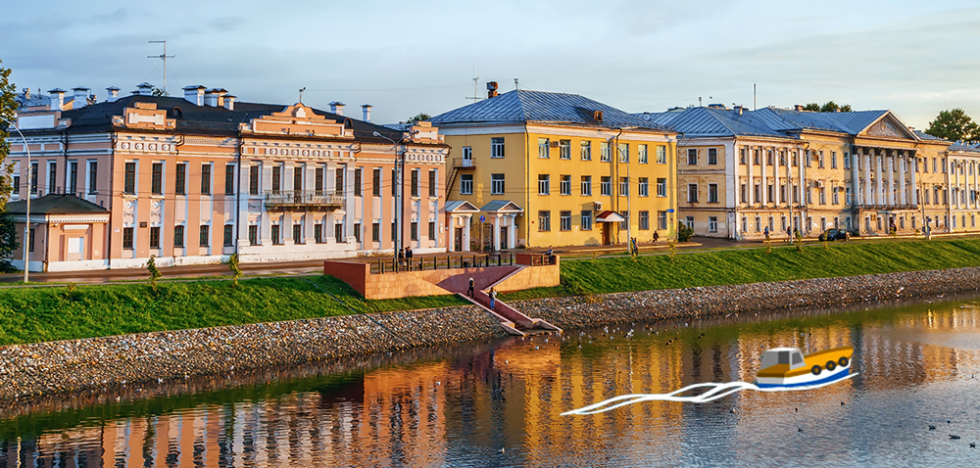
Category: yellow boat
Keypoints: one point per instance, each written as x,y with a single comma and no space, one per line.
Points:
787,367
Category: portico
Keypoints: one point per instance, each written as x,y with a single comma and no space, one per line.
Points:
459,219
502,215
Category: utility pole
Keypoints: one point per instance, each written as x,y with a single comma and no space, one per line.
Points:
163,57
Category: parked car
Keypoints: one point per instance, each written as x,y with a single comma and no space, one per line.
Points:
833,235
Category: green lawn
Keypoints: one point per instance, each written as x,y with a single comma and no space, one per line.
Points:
611,275
45,314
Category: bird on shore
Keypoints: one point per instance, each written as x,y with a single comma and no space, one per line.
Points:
797,409
842,403
799,429
973,445
954,437
948,421
932,428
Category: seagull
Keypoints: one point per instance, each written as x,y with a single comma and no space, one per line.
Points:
842,403
799,429
948,422
954,437
797,409
932,428
501,450
973,445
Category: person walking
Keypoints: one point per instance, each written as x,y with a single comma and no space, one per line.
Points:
401,258
493,298
408,257
789,234
656,236
469,292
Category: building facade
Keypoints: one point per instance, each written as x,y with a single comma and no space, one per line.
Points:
550,169
742,173
197,179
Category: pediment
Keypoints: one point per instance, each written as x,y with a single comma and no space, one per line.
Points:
297,119
888,126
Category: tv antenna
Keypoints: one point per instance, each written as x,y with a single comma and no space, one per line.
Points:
476,80
301,94
163,57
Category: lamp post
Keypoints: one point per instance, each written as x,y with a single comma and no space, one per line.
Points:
398,198
30,183
619,157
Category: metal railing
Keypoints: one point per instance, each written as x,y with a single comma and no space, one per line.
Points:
304,198
442,263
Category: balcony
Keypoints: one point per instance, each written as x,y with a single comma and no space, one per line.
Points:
301,200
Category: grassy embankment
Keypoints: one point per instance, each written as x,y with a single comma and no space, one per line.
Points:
623,274
53,313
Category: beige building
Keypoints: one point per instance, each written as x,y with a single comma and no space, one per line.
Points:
742,173
193,180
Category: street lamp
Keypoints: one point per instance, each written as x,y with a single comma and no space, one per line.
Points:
619,157
30,181
398,197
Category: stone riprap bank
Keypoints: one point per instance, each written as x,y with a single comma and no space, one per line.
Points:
60,366
580,312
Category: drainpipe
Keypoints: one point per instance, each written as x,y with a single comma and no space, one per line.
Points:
64,153
238,190
527,190
112,160
948,194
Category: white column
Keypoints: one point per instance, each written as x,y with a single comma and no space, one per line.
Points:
902,200
751,183
765,187
868,200
266,218
512,232
915,187
775,172
286,227
889,156
451,246
496,231
802,187
466,233
856,198
880,188
349,205
243,203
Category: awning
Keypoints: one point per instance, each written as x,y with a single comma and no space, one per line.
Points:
609,217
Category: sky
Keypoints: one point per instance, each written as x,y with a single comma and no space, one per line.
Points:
914,58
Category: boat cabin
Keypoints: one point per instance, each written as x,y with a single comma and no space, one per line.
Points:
790,356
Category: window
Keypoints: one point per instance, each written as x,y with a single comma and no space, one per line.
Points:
253,180
394,231
543,150
743,193
692,193
253,234
605,153
565,149
641,154
741,156
769,159
770,196
782,158
565,185
394,183
661,220
796,194
755,157
375,181
415,231
432,183
585,149
180,179
318,233
823,196
179,236
565,222
758,224
466,184
933,166
712,193
338,181
156,179
93,177
130,180
644,220
782,193
274,234
836,195
467,156
544,184
358,179
230,179
586,185
624,152
205,235
496,184
820,159
796,159
757,193
586,220
605,186
16,185
127,238
206,179
833,160
338,233
34,167
644,187
496,147
661,187
713,223
712,156
155,237
847,196
415,182
745,224
661,155
624,224
357,232
376,232
544,221
689,221
692,157
52,176
432,230
809,158
73,177
229,235
624,187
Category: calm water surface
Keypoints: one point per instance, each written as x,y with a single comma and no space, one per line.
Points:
499,404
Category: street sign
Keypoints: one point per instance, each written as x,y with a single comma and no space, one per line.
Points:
671,210
483,219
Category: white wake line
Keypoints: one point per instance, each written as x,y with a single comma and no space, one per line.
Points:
717,391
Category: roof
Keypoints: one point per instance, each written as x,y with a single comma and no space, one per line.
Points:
460,207
499,205
55,204
524,106
928,137
610,217
963,147
26,99
707,121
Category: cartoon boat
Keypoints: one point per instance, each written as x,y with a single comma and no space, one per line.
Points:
787,367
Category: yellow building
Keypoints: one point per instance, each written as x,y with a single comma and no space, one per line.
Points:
555,169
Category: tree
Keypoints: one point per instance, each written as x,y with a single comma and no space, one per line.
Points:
151,266
420,117
812,107
158,92
8,105
235,270
8,241
954,125
830,106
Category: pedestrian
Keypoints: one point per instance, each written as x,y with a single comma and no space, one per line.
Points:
470,291
408,256
549,252
493,298
401,258
766,232
656,236
789,234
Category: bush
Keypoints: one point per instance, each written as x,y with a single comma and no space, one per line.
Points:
684,233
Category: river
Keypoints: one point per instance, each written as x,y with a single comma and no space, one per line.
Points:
500,403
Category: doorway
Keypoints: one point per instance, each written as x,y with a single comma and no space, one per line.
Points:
606,234
504,238
458,239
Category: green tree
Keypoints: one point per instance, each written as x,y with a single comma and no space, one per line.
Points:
235,270
954,125
684,233
159,92
8,241
812,107
420,117
830,106
8,105
151,266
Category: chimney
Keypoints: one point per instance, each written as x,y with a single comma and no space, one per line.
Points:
739,110
27,94
194,94
366,109
491,89
230,102
798,108
57,99
337,107
145,89
80,97
112,94
211,98
221,96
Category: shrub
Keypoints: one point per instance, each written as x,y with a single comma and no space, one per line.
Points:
684,232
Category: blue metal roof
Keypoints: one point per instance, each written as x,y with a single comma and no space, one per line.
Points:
523,106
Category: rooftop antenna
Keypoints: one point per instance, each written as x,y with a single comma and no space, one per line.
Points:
755,105
476,92
517,85
301,94
163,57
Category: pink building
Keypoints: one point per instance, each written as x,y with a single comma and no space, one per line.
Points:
197,179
